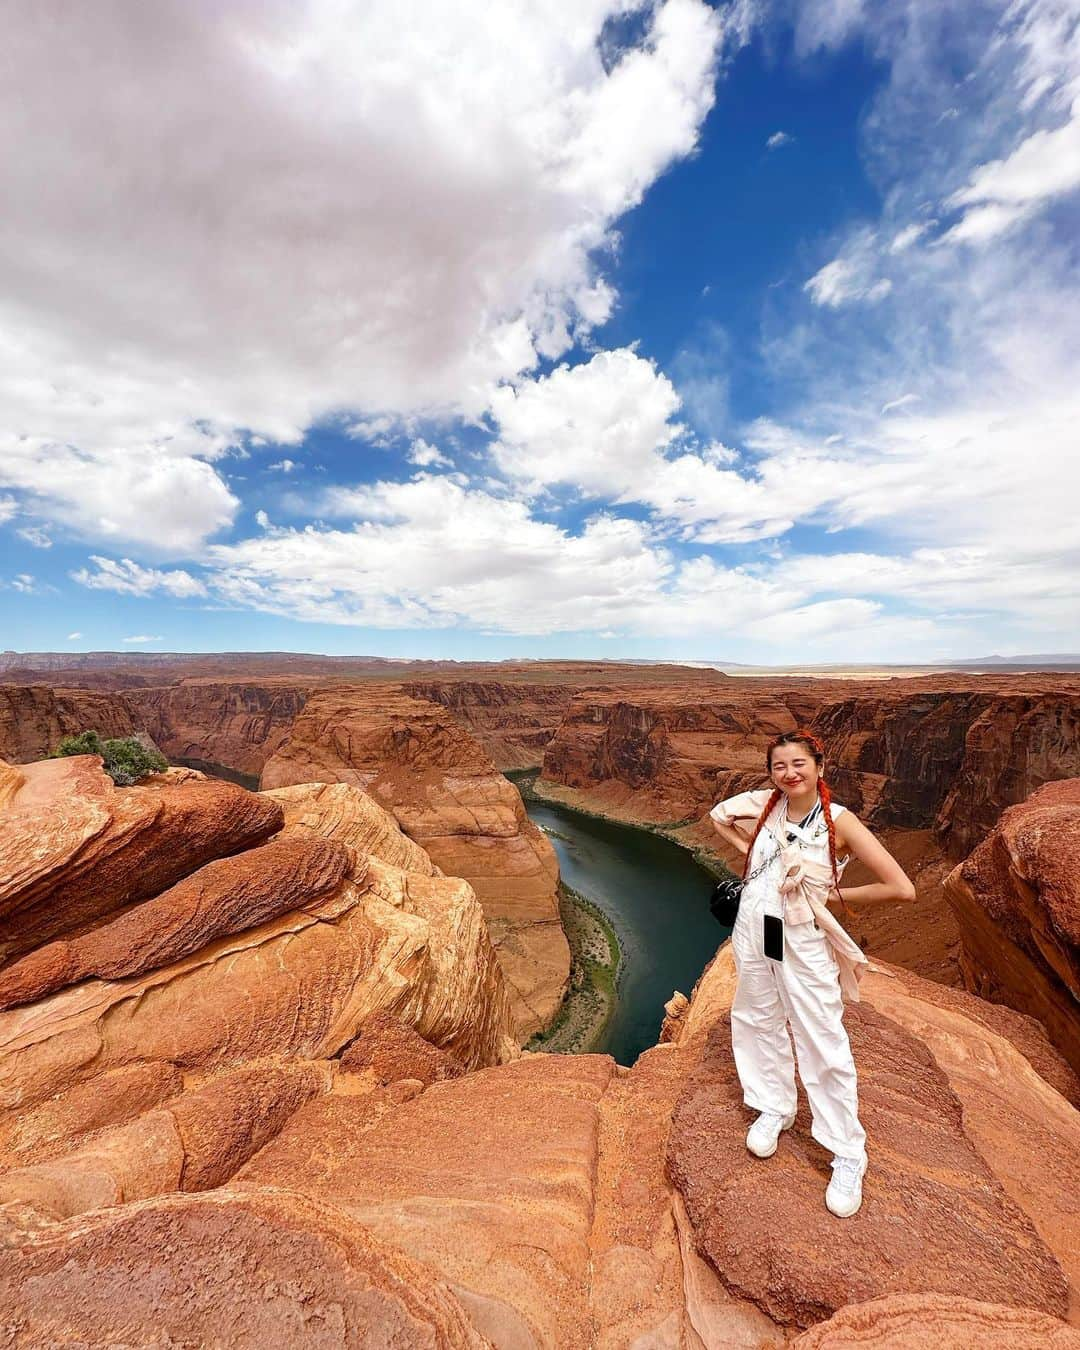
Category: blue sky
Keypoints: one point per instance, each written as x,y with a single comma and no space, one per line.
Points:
739,332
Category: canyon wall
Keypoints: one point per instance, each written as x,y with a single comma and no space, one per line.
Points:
420,762
34,718
512,721
942,752
239,724
1017,904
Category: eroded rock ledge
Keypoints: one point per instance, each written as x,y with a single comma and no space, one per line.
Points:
293,1115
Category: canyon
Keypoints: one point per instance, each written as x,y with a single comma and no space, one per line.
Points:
278,1031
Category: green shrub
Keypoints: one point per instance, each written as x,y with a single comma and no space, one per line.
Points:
125,758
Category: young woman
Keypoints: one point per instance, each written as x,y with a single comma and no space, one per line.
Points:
789,972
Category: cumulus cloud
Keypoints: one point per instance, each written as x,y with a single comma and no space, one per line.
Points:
606,429
413,206
426,456
777,139
128,578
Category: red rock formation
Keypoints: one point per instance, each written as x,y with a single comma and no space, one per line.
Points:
220,898
513,721
34,719
75,847
420,763
1015,746
1017,903
931,1322
932,1208
159,1049
528,1203
391,1050
239,724
226,1269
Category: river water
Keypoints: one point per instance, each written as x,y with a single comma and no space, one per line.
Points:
656,897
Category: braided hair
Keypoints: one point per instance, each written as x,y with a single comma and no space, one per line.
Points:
810,742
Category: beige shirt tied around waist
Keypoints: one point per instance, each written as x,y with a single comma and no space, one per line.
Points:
805,887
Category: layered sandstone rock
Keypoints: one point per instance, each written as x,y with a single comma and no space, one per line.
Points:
74,847
530,1204
35,718
421,764
931,1322
215,901
237,1270
160,1048
239,724
1017,903
513,721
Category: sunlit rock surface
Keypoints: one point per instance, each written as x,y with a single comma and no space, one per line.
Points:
422,765
1017,903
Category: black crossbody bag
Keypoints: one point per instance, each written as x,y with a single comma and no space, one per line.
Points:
726,894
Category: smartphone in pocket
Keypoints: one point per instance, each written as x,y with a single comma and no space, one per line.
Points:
774,937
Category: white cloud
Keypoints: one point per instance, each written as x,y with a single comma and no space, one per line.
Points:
25,584
597,425
144,637
74,637
845,280
605,429
777,139
283,466
35,535
904,401
430,553
128,578
903,239
416,205
426,456
8,508
1005,192
148,495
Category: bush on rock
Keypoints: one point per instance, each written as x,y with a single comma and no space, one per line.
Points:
126,759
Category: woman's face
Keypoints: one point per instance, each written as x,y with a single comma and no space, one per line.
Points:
793,770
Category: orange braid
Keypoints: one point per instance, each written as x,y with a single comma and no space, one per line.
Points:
826,810
774,798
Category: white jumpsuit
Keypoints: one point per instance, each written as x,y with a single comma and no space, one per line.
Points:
802,991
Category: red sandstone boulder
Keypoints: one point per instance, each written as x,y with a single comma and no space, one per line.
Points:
223,897
934,1322
74,847
391,1050
934,1218
1017,903
239,1270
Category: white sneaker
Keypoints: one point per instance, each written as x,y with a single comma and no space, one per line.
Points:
765,1131
844,1195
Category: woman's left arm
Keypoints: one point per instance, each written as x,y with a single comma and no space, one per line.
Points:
892,882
